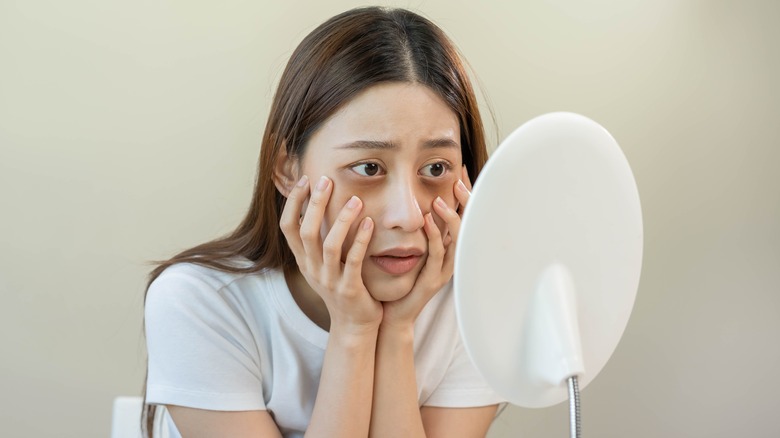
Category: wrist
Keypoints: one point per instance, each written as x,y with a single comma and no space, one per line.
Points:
397,329
354,333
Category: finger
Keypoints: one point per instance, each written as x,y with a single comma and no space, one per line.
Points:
435,247
451,217
331,248
466,178
289,221
353,266
445,232
431,274
312,219
453,220
462,194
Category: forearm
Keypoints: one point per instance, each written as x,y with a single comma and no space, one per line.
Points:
344,397
395,408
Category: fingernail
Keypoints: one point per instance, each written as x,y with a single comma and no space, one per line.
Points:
302,182
353,202
367,223
322,184
462,186
441,202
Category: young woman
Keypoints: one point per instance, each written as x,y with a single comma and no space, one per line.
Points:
329,310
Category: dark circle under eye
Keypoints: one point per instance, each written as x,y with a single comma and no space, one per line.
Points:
370,169
436,169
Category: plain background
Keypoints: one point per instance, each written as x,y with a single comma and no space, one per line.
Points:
130,131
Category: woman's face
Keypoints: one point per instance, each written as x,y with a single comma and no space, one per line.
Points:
396,146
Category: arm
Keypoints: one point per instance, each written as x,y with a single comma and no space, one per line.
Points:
436,422
396,411
200,423
461,422
343,404
342,408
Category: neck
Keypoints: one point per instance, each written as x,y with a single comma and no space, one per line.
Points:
307,299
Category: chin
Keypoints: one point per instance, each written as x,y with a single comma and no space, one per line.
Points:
385,287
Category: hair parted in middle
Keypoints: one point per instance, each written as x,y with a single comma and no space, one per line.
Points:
340,58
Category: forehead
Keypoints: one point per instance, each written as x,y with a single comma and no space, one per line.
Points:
401,115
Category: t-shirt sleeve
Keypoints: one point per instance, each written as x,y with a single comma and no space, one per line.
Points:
201,351
462,386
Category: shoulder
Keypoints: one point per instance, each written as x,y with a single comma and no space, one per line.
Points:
191,278
202,339
184,282
194,289
195,274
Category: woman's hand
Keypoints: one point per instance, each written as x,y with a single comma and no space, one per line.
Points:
440,263
339,284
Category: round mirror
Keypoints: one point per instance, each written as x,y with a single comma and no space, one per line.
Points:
548,259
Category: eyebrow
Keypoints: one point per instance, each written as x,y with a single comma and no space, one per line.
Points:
378,144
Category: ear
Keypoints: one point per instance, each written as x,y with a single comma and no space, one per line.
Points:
286,172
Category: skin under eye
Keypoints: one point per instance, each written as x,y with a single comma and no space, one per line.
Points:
436,170
367,169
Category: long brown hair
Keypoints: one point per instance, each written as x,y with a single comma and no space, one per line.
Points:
345,55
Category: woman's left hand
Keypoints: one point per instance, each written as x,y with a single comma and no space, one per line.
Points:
439,265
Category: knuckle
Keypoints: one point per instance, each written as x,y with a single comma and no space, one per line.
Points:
354,259
346,293
309,234
331,249
286,226
361,239
328,283
344,217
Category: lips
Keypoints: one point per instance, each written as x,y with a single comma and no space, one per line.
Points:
398,261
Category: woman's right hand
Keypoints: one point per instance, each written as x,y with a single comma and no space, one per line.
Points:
339,284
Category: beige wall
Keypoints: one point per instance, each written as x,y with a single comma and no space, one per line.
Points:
130,130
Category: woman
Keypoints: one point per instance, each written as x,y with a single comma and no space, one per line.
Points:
329,310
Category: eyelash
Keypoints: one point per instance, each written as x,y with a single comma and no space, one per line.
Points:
365,163
447,168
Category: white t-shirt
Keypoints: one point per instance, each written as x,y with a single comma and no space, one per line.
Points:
237,342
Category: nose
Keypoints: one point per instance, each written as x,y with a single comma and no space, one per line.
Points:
402,209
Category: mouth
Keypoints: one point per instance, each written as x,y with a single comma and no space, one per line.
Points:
398,261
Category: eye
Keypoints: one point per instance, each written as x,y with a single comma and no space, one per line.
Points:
367,169
435,170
